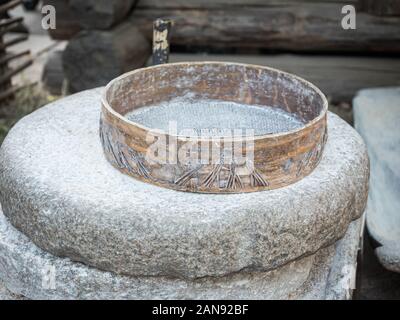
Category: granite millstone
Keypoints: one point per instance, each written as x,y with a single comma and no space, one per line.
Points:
58,189
377,118
31,272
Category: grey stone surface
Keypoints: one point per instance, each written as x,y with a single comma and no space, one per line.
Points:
342,272
6,294
377,118
24,268
58,189
389,255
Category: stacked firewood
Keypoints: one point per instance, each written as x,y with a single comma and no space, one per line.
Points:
109,37
7,90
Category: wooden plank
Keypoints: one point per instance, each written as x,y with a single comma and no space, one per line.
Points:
207,4
381,7
315,27
339,77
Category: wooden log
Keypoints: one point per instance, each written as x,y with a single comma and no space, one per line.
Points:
381,7
94,57
302,27
208,4
339,77
100,14
67,23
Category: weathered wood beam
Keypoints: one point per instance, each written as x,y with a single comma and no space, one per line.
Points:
381,7
339,77
209,4
296,27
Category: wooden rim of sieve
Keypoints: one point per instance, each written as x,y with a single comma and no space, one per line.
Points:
279,158
106,104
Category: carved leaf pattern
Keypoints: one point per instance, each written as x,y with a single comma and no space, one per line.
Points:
132,162
127,158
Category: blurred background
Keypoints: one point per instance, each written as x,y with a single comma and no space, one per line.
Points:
87,43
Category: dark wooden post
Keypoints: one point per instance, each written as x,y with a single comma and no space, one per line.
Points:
161,40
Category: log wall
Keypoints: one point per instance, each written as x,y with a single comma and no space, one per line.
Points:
304,26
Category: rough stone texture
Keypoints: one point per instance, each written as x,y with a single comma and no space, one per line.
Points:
342,272
118,50
324,275
58,189
6,294
389,256
377,118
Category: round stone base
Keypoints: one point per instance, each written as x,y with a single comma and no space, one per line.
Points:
377,118
29,271
57,188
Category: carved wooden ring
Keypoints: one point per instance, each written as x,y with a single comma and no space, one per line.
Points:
278,159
